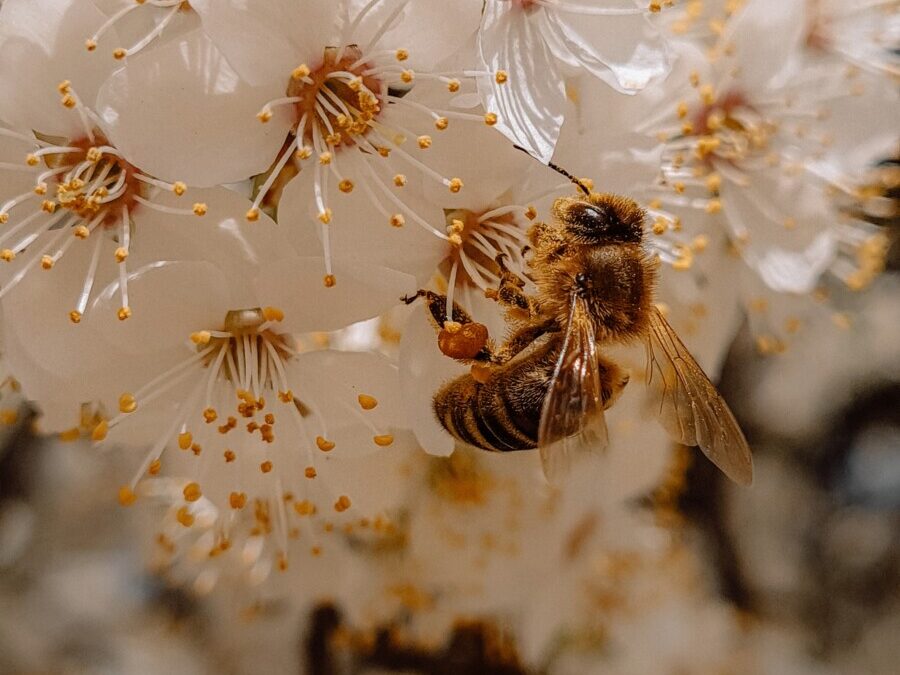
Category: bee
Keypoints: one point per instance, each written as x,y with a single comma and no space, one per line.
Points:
548,384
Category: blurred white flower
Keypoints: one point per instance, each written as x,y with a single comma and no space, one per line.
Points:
149,24
534,44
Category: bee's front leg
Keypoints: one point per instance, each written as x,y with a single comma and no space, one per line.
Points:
510,293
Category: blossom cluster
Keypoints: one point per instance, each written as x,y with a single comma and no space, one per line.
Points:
210,210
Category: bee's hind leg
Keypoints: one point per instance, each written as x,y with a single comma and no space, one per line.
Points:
463,338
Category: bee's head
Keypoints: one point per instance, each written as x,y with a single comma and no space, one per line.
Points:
600,218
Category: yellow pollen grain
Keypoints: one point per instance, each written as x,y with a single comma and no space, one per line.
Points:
346,186
407,76
325,216
501,77
367,402
310,472
401,55
100,431
383,440
424,141
200,209
47,262
201,338
68,101
329,280
121,254
75,316
441,123
324,445
453,86
455,185
48,206
252,215
192,492
124,313
119,54
325,158
126,496
179,188
155,467
184,516
127,403
266,466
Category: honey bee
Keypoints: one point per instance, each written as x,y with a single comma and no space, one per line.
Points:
548,384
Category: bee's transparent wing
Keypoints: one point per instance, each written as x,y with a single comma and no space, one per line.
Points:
572,420
689,406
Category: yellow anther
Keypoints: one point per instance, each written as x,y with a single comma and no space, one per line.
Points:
184,516
655,6
310,472
127,403
64,87
407,76
70,435
659,225
401,55
333,139
455,185
300,72
678,187
682,110
707,94
531,213
694,78
210,415
790,223
119,54
75,316
69,101
687,128
237,500
155,467
48,206
490,119
424,142
701,241
192,492
200,209
397,220
325,158
81,231
329,280
126,496
4,217
273,314
399,180
201,338
342,504
179,188
304,153
315,551
100,431
713,182
286,396
383,440
367,402
7,255
346,186
325,216
94,155
453,86
455,239
501,77
441,123
121,254
713,206
304,507
124,313
324,445
266,466
47,262
229,456
32,160
40,189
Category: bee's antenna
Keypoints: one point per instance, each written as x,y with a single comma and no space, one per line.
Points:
560,170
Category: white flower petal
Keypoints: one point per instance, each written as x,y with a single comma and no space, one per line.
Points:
264,40
627,52
362,290
180,112
531,104
42,44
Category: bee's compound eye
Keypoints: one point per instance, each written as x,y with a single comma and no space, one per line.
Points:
587,219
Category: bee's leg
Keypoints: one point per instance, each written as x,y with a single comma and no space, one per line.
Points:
510,293
463,339
521,339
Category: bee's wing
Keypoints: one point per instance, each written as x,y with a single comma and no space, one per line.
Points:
572,418
689,406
